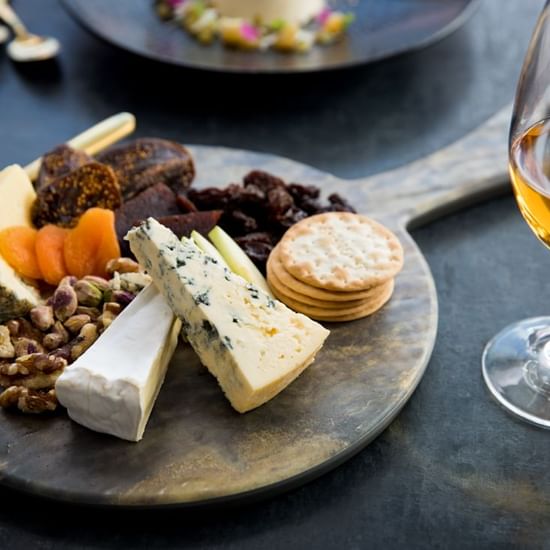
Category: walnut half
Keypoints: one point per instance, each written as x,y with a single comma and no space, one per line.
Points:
28,401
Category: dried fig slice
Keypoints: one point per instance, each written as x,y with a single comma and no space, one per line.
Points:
59,162
183,224
156,201
64,200
144,162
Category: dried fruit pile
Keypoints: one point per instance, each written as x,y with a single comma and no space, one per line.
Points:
258,212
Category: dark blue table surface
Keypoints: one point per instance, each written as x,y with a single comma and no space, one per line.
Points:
453,470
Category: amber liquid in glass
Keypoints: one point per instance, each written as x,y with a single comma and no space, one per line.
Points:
530,173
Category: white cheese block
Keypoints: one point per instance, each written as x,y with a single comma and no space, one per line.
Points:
290,11
113,386
255,346
16,199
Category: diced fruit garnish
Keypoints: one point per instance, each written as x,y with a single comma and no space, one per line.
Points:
83,243
49,247
236,259
286,38
208,248
17,247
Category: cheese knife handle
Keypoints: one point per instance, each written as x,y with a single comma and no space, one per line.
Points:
95,139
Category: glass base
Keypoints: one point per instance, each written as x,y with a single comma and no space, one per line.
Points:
516,369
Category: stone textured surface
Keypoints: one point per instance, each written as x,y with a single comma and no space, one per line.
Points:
453,470
196,447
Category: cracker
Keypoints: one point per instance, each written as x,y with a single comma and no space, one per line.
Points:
341,251
288,292
275,269
368,308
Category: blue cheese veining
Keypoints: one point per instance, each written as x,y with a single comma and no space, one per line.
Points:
255,346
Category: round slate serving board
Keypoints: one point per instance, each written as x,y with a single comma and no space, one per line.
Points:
382,29
197,450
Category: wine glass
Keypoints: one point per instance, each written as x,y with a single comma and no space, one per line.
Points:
516,362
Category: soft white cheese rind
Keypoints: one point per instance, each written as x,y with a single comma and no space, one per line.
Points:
254,345
113,386
16,199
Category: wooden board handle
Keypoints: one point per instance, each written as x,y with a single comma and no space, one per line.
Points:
471,169
96,138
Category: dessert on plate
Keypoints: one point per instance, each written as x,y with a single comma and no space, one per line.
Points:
283,25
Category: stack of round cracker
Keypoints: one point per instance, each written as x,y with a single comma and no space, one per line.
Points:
335,266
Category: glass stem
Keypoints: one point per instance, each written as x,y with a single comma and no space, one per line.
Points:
537,370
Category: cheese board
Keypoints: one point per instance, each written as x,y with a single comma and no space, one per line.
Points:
197,450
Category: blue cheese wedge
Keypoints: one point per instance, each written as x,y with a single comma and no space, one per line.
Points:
113,386
16,198
255,346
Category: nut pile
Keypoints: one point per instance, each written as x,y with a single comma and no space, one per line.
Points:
35,349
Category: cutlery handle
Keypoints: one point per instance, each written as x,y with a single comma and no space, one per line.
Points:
96,138
469,170
12,19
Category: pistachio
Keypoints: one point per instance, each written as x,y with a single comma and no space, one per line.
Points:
105,319
88,294
122,265
99,282
7,351
76,322
112,307
57,337
52,341
122,297
24,346
64,302
86,337
131,282
69,280
42,317
134,282
13,326
92,312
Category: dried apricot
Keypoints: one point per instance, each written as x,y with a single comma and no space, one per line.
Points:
49,247
90,240
17,247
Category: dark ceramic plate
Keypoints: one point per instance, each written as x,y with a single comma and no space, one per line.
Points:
383,28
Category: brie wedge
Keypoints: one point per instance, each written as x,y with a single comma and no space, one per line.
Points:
113,386
255,346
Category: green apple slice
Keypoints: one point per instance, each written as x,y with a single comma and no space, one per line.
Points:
237,260
208,248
